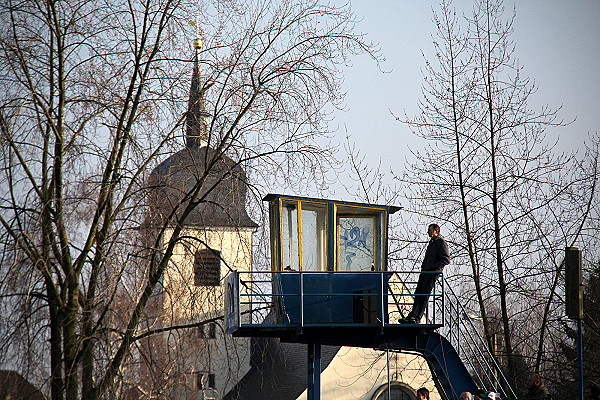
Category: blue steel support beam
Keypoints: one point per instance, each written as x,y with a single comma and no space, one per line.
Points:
314,371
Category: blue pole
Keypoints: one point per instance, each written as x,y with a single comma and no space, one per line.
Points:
317,372
580,356
310,390
313,391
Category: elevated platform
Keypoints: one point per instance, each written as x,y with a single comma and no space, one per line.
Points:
448,370
361,335
359,309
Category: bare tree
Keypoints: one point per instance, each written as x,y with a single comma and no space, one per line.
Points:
93,97
493,177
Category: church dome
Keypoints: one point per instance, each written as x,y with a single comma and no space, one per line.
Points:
222,196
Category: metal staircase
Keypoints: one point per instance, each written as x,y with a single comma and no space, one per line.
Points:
460,330
448,370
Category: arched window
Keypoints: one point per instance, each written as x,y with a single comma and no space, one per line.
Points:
207,268
398,391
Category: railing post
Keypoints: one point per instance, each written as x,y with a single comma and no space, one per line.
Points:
443,301
301,300
382,300
239,297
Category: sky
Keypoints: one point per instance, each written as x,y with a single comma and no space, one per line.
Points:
557,43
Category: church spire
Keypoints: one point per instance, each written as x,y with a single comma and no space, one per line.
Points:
197,117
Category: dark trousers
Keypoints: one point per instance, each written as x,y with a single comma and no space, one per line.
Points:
422,292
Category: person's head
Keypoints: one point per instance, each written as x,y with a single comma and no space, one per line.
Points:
422,394
433,230
592,392
534,381
466,396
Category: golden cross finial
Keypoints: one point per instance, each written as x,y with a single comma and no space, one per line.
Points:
199,30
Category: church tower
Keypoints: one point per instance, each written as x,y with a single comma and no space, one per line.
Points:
202,191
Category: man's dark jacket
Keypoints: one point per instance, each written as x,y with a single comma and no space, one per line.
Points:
437,255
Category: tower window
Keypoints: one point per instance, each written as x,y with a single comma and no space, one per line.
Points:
207,268
398,391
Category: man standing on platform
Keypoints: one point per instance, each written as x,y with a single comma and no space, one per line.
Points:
436,258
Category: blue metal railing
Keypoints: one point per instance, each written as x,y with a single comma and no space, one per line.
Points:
262,292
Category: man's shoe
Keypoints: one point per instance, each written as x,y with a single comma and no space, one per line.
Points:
407,320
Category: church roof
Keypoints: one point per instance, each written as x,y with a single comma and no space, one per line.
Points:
278,372
221,200
222,195
14,386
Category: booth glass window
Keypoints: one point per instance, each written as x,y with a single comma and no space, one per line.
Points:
307,221
325,235
357,243
314,228
359,239
289,229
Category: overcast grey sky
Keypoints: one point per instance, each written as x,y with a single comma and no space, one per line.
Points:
558,43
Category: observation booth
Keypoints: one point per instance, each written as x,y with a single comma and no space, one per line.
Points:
328,258
329,281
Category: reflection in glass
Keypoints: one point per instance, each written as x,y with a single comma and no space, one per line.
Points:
356,243
314,217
